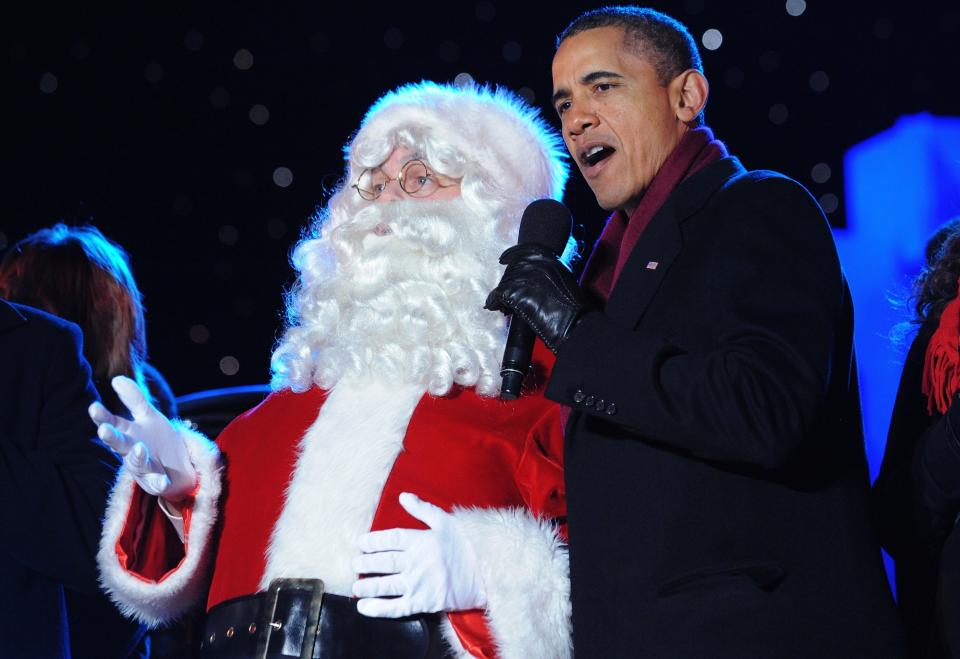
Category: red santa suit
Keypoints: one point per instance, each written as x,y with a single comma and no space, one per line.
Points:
291,484
343,457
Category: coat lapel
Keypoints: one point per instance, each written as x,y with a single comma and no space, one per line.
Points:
661,243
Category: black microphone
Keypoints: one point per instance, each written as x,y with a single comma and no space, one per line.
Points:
545,222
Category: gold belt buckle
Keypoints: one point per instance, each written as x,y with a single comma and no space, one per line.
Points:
312,627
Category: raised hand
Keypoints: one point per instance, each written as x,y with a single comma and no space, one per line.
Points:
152,448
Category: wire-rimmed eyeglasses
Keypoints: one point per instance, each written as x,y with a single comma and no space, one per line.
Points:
415,178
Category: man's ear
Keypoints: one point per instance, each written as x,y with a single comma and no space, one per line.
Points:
688,92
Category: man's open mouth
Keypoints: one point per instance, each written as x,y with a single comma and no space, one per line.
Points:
596,153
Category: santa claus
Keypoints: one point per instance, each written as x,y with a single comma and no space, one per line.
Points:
382,501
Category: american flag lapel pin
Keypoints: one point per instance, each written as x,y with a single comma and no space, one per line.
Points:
652,265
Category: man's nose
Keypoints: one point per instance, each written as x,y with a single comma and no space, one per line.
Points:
580,121
391,192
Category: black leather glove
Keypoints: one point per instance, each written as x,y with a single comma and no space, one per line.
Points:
539,289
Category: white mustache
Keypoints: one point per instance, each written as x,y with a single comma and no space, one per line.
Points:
431,227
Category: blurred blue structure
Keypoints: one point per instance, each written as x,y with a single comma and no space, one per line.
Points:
901,185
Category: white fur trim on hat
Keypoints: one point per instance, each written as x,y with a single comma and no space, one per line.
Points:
526,572
501,146
158,603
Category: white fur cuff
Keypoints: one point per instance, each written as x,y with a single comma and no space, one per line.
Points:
526,572
155,603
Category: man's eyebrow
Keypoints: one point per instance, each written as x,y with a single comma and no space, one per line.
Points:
560,93
597,75
593,76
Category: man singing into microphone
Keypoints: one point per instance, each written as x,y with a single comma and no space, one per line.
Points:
716,478
383,467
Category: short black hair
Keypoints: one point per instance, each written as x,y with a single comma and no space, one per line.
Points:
662,41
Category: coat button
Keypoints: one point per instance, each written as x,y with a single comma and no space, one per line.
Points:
579,396
599,405
612,409
588,401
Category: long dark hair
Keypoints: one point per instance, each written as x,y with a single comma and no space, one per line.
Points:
77,273
936,285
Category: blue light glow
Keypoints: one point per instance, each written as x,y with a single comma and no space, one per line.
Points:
901,185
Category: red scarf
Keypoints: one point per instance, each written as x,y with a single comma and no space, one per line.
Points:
941,364
696,149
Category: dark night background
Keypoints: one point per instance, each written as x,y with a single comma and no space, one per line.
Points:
165,124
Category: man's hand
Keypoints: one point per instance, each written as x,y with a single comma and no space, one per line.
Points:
152,448
540,290
424,571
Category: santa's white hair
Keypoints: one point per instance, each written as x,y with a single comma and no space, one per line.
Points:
397,289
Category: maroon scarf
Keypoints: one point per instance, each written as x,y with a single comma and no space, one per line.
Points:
696,149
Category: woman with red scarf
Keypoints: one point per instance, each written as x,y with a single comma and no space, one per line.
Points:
917,495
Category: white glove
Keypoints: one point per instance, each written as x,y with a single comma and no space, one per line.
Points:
427,571
152,448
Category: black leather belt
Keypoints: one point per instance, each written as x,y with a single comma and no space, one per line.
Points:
295,618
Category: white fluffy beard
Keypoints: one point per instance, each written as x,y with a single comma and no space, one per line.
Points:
396,291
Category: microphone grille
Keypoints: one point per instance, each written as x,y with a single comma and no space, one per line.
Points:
546,222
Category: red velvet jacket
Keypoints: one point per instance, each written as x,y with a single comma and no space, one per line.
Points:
459,450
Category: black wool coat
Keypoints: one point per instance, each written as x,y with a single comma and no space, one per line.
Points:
54,479
716,479
916,502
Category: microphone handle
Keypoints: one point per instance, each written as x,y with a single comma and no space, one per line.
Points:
516,358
